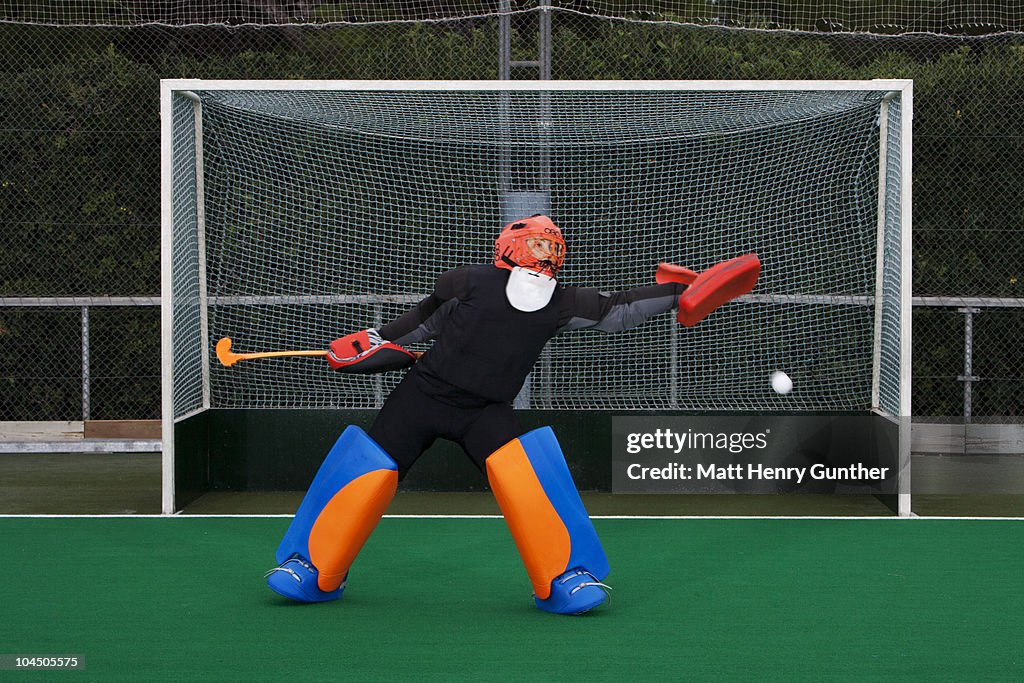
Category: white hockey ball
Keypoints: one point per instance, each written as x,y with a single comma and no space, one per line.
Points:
781,382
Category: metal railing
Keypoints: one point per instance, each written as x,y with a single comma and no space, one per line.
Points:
970,308
85,305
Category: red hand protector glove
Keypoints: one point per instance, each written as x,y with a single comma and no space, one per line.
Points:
367,352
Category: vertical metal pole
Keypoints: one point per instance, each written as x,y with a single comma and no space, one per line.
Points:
544,41
505,102
166,296
504,40
968,378
968,363
85,363
906,111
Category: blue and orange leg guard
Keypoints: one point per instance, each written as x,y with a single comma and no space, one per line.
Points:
347,498
555,537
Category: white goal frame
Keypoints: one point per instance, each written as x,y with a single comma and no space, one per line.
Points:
170,88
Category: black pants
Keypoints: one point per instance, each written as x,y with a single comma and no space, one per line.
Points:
411,420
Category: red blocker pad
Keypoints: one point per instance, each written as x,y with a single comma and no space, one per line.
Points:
549,525
717,285
366,353
347,498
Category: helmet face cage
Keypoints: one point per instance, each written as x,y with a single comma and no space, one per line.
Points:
534,243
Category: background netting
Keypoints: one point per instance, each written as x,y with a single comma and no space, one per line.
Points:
79,139
328,211
868,16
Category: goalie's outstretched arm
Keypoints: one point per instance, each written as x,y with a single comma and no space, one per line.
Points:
586,308
372,351
695,295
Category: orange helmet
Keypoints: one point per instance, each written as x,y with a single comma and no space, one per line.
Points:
533,243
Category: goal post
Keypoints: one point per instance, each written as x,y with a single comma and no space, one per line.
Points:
297,211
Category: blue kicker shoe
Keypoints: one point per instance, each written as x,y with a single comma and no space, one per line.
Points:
574,592
296,578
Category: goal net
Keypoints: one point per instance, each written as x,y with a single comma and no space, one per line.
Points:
297,212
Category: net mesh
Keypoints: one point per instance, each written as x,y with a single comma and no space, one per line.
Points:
329,212
885,17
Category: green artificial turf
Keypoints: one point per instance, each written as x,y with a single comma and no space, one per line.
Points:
149,599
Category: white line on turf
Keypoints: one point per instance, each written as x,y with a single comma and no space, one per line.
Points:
694,518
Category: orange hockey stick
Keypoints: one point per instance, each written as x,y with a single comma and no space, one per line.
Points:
228,358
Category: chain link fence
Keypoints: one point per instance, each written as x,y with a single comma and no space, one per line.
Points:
79,144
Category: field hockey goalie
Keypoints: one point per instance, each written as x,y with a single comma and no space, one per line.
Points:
488,324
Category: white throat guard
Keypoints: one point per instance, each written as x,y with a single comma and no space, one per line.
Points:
529,291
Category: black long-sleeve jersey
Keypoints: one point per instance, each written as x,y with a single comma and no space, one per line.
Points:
484,348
